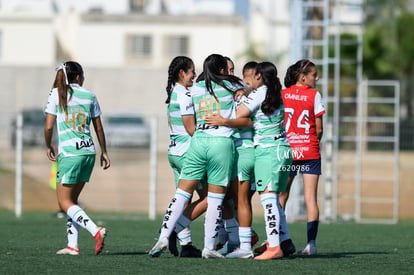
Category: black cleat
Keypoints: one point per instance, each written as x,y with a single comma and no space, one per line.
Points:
287,247
190,251
172,244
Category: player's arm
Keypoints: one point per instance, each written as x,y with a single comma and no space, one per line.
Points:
319,127
50,121
97,124
189,123
242,119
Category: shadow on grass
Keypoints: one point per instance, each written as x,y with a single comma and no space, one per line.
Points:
128,253
335,255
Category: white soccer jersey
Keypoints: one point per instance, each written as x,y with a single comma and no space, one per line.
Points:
205,104
180,105
246,134
73,127
266,128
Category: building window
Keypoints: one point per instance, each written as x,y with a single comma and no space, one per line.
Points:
139,46
138,5
177,45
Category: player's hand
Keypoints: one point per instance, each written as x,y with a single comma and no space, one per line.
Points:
50,152
214,120
239,94
105,162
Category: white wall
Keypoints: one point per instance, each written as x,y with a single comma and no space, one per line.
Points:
27,41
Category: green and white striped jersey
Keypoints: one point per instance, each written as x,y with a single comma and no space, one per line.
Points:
73,127
266,128
205,104
246,134
180,105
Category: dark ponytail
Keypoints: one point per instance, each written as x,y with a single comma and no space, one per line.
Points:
212,67
178,63
273,98
293,72
66,74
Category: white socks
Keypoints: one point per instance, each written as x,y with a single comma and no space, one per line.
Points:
212,219
174,211
183,230
72,230
270,203
245,234
81,218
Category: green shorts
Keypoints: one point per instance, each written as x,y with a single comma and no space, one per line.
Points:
213,156
176,163
270,167
245,163
72,170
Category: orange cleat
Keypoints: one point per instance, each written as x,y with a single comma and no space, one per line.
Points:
99,240
270,253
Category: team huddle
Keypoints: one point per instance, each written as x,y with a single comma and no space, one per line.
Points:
229,137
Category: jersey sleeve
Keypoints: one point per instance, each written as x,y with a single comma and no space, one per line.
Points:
252,102
51,107
96,109
319,108
186,103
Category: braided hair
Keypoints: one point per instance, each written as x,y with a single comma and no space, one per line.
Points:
273,98
67,73
303,66
178,63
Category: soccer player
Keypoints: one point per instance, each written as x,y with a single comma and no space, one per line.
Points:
73,108
244,180
211,151
303,115
273,155
181,122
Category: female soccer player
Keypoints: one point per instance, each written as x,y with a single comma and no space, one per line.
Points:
74,108
304,126
211,151
273,155
181,123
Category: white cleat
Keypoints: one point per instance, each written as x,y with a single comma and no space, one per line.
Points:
211,254
310,249
68,251
159,247
240,254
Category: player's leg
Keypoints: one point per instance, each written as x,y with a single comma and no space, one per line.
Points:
310,189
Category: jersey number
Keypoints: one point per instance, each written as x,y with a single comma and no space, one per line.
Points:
302,122
208,107
79,117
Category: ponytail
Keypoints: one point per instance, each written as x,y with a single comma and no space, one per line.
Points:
178,63
303,66
273,98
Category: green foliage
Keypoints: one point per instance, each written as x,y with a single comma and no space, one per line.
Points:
28,246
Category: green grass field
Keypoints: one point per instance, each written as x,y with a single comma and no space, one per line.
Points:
28,246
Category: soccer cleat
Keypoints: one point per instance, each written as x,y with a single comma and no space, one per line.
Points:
99,240
310,249
159,247
68,251
211,254
287,247
255,238
270,253
240,254
219,246
227,248
262,248
172,244
190,251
